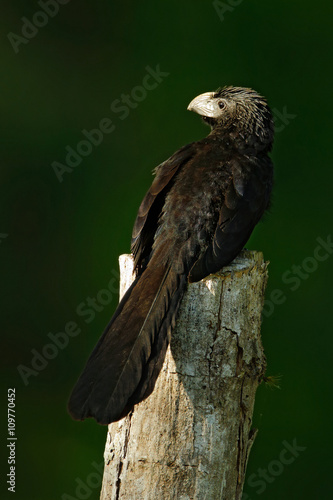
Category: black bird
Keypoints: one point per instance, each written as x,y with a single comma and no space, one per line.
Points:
196,217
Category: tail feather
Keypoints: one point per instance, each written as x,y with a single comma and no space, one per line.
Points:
159,348
124,365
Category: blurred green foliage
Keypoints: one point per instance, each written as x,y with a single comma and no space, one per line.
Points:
60,241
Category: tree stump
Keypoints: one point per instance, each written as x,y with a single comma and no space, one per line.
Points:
192,437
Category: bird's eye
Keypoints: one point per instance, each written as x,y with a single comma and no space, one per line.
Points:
221,104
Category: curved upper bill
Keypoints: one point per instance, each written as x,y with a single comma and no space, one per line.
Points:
204,104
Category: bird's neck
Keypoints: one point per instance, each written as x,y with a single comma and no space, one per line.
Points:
241,142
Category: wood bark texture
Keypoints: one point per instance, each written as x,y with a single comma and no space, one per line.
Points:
192,437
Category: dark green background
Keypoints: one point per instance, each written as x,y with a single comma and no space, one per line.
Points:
64,238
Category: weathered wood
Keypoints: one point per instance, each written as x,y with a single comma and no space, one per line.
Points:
192,437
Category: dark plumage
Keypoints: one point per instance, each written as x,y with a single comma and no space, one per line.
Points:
196,217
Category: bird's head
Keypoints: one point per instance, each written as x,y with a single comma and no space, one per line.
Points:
240,112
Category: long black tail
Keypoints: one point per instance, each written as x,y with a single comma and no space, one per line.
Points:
123,368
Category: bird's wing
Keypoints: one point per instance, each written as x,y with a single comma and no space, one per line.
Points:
150,209
245,201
